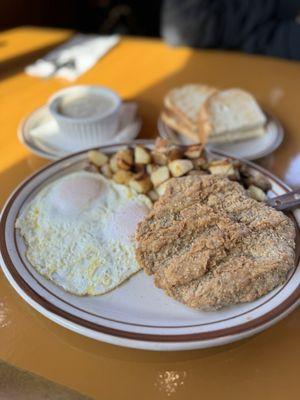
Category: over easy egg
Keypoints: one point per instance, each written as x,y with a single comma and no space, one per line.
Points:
79,232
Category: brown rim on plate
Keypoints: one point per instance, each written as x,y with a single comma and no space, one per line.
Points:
125,322
47,305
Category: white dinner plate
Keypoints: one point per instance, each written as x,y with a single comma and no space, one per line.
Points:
40,133
136,314
250,149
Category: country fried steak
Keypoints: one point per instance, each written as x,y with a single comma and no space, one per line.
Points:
209,245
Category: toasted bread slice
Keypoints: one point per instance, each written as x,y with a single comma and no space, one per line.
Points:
236,136
185,103
175,123
231,114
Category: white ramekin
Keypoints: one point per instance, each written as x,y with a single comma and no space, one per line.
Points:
92,131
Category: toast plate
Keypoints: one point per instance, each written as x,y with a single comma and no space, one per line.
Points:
250,149
136,314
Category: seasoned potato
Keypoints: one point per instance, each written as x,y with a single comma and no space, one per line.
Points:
140,175
97,157
149,172
236,176
106,171
139,168
122,176
175,153
159,158
194,151
221,167
141,155
160,175
160,190
124,159
244,171
258,179
162,145
257,193
141,185
153,195
113,163
199,163
180,167
151,168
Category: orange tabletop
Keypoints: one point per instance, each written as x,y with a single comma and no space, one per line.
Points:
265,366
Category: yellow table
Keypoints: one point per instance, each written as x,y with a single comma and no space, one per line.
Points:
265,366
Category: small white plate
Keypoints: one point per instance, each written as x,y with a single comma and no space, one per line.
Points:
251,149
40,133
136,314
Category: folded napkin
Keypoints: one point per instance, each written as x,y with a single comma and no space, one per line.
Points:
74,57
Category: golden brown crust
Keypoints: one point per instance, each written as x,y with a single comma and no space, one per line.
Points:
205,126
172,103
186,97
209,245
174,123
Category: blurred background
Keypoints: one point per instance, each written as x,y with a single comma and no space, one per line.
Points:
96,16
269,27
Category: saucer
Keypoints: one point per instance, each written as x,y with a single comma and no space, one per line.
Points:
250,149
40,133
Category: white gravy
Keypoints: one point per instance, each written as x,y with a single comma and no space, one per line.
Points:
85,106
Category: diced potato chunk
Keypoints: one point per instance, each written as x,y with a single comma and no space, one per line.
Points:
106,171
97,157
151,168
122,176
159,158
258,179
257,193
113,163
140,169
199,163
160,190
175,153
180,167
244,171
194,151
160,175
141,185
236,176
161,144
124,159
141,155
153,195
221,167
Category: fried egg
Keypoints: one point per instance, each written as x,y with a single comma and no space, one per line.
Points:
79,232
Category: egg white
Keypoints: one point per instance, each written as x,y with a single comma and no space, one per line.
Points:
79,232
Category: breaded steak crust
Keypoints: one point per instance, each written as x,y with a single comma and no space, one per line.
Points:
209,245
